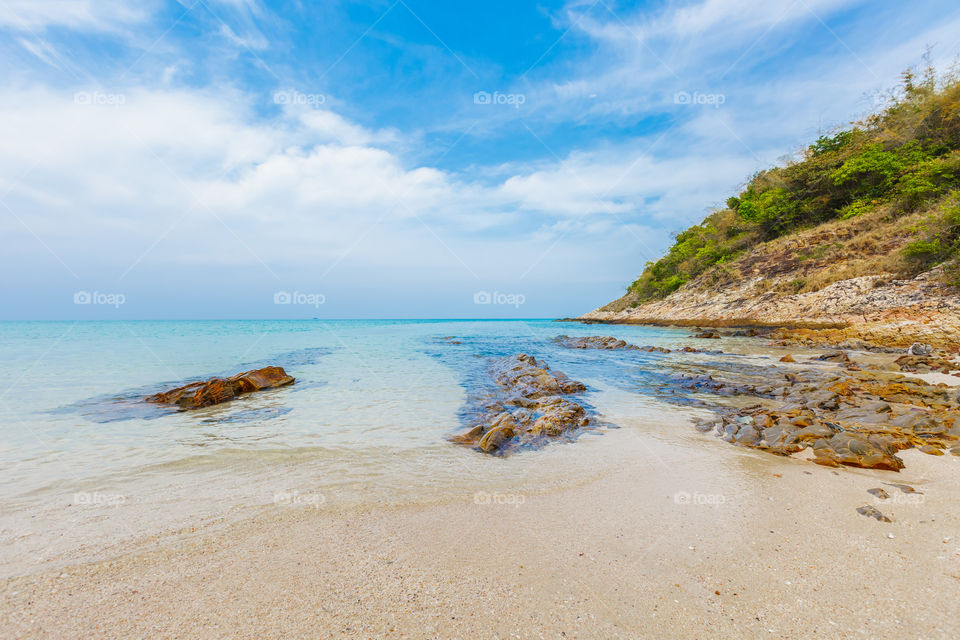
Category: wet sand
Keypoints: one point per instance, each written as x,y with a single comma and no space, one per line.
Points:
683,536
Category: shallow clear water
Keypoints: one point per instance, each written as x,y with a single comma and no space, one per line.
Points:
365,421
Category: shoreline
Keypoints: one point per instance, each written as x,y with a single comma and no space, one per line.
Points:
618,557
889,337
650,529
736,323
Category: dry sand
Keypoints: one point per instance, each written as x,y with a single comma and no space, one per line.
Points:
689,538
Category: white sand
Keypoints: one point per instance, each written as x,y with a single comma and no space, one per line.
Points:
751,555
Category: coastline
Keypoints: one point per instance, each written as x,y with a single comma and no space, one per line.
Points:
649,529
875,310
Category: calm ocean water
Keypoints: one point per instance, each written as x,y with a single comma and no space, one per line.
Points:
365,421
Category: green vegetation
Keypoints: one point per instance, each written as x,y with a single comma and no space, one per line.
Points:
903,160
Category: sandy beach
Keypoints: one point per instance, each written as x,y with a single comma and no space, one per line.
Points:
680,535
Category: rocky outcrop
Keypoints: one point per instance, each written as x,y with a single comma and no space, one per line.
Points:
594,342
845,416
873,309
925,364
609,343
217,390
526,409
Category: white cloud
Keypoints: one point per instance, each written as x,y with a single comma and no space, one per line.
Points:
145,181
94,15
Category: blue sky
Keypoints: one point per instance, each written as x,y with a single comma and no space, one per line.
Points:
217,158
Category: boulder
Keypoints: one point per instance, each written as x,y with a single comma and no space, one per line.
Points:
856,450
217,390
495,438
920,349
835,356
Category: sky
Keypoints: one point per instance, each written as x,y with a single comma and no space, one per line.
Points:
403,158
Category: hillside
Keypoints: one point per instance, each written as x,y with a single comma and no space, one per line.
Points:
861,233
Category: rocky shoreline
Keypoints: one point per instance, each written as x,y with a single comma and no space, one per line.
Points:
845,413
870,310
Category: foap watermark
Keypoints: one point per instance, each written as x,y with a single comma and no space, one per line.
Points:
99,98
710,99
97,499
514,100
512,299
889,99
296,499
914,499
685,497
298,297
297,98
514,499
109,299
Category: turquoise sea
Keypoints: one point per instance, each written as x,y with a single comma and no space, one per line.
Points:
365,421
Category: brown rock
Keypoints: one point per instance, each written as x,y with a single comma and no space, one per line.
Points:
787,358
594,342
855,450
528,408
217,390
495,438
835,356
470,437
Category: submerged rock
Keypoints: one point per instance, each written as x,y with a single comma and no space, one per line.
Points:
594,342
528,408
712,335
217,390
609,343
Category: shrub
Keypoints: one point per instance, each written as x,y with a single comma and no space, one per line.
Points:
905,157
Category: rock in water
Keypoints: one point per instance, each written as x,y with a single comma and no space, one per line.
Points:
835,356
527,408
593,342
217,390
